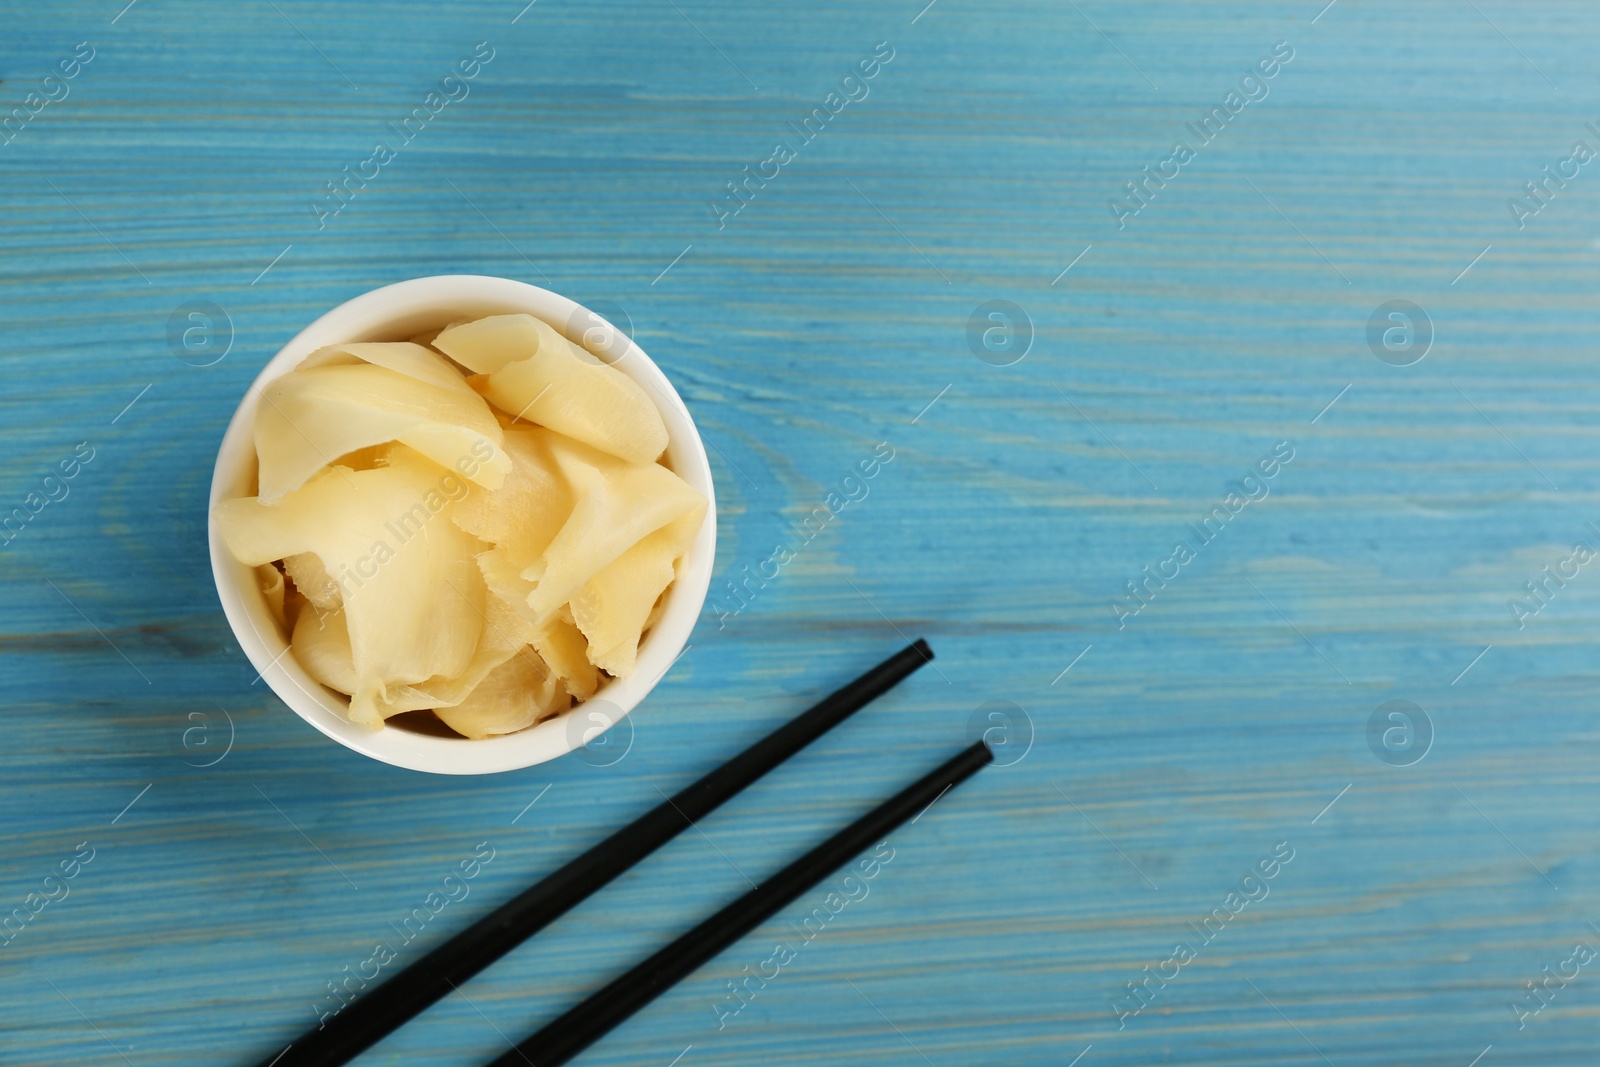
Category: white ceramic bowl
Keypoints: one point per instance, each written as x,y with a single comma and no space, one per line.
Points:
394,313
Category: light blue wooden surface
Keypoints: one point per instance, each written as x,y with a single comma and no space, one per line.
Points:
823,319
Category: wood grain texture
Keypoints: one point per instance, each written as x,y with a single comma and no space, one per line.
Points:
820,321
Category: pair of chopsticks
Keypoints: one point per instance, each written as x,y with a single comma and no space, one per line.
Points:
385,1008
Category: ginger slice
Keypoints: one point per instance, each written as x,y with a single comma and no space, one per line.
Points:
515,695
561,645
613,608
270,581
529,508
307,418
502,574
504,635
485,345
617,505
322,646
413,595
534,373
557,640
402,357
309,576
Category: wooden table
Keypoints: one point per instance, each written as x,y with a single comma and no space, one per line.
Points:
241,862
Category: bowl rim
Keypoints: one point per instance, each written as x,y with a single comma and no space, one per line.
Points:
393,311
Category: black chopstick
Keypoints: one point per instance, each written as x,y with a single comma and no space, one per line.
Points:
587,1022
383,1009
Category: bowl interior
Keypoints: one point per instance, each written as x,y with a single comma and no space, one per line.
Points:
395,313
